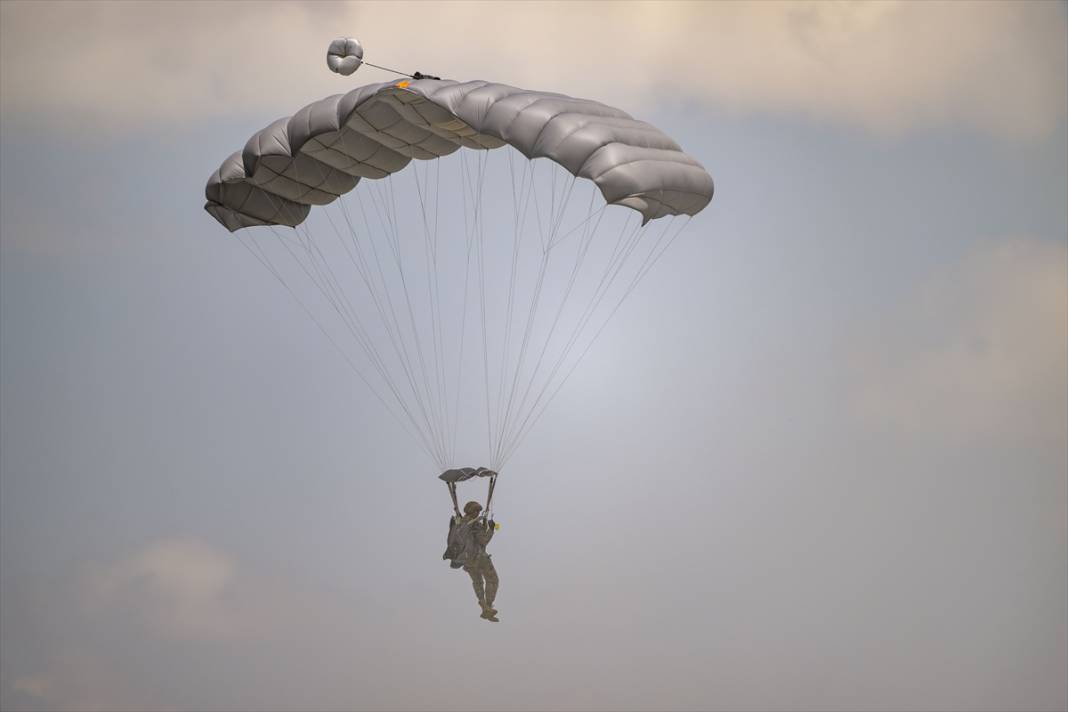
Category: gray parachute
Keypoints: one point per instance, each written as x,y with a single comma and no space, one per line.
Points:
324,150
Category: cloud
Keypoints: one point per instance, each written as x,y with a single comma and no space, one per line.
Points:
81,680
888,67
182,588
978,352
172,601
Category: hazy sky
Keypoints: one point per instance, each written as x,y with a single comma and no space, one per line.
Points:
819,460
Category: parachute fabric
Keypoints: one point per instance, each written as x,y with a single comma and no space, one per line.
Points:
370,132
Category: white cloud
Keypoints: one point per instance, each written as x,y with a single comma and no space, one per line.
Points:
182,588
77,679
980,351
996,67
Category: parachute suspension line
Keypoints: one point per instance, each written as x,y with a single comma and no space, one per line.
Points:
469,183
436,418
650,261
531,312
519,206
395,331
584,244
280,239
463,317
556,216
386,218
360,333
624,246
378,201
262,257
433,296
518,389
431,262
331,289
537,209
584,223
434,288
437,200
355,329
442,365
479,235
397,334
356,326
364,270
390,321
654,256
460,360
326,280
583,249
365,341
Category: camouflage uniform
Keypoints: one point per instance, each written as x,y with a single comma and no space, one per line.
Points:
468,537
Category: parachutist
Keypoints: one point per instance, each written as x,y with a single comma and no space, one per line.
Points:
420,75
469,533
466,547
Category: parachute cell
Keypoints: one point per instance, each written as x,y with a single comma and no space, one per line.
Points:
327,147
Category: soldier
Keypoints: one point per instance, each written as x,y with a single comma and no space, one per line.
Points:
468,537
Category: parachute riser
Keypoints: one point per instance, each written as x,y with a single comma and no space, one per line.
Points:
489,497
452,493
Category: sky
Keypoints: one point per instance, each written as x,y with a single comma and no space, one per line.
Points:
817,461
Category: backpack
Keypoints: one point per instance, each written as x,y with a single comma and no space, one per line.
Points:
454,545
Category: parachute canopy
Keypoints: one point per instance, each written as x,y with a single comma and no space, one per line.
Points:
463,292
323,150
